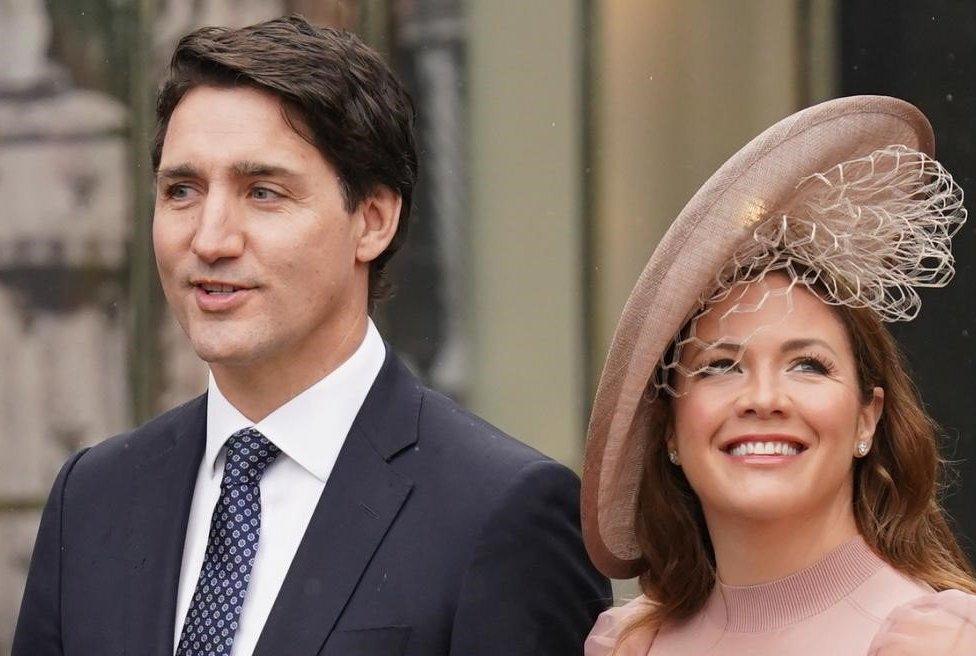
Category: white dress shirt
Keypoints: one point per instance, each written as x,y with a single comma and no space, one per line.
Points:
310,430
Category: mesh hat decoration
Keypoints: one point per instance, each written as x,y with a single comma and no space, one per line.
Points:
842,198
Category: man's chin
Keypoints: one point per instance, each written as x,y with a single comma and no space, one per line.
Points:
225,355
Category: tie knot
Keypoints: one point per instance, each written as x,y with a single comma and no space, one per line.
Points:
248,454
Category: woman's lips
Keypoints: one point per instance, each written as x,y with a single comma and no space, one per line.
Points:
764,449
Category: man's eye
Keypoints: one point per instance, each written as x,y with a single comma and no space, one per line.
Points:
263,193
177,191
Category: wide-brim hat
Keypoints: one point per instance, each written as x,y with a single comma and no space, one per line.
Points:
754,183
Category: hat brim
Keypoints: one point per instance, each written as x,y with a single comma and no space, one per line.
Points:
759,179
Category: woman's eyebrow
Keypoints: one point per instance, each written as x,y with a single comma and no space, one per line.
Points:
725,346
698,350
797,344
805,343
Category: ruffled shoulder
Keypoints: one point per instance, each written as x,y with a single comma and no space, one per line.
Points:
938,624
611,625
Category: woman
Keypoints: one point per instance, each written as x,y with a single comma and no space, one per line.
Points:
757,453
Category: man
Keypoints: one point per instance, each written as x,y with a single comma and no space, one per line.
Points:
317,499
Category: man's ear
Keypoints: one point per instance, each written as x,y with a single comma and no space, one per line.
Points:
381,216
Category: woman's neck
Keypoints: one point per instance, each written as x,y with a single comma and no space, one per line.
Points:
750,551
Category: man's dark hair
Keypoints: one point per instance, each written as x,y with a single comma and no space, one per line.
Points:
336,92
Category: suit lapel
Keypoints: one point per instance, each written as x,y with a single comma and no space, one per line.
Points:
361,499
162,489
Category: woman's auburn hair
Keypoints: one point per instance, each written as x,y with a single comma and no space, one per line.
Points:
896,492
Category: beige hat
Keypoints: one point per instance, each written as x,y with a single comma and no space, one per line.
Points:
754,184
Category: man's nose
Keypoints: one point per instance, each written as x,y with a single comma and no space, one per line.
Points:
763,396
218,234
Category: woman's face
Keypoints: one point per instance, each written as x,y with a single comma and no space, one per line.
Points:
775,436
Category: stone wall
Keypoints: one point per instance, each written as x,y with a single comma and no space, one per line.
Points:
66,183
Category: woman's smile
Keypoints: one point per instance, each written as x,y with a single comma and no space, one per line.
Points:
769,429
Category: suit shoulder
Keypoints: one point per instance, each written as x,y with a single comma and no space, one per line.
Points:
465,436
150,436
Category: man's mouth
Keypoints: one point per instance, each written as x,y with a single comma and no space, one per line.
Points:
218,288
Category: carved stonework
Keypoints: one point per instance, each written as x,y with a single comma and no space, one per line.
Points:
63,238
65,228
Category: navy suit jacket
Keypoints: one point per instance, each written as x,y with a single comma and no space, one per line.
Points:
435,534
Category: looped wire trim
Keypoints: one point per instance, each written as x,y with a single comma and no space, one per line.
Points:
867,233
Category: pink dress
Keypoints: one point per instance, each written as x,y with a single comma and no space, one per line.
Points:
850,603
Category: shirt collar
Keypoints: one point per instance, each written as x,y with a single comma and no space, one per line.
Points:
311,427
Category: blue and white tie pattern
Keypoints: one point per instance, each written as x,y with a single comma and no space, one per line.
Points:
215,610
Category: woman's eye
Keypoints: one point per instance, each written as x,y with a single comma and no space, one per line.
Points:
719,366
812,365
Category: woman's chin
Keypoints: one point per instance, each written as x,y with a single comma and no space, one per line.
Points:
759,504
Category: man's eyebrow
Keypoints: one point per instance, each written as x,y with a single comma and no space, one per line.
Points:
251,169
243,169
179,171
805,343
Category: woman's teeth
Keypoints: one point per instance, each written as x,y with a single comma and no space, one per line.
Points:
764,449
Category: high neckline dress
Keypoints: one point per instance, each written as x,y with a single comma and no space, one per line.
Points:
850,603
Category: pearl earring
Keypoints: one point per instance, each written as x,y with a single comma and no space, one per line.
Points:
673,456
862,448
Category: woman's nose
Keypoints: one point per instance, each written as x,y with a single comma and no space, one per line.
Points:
762,396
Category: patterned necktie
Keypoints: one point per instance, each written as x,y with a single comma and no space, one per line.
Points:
215,610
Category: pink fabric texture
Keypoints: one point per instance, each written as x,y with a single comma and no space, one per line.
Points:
850,603
943,623
610,626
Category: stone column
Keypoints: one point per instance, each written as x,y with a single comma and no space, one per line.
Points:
63,233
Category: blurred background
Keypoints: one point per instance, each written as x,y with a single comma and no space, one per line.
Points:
558,139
